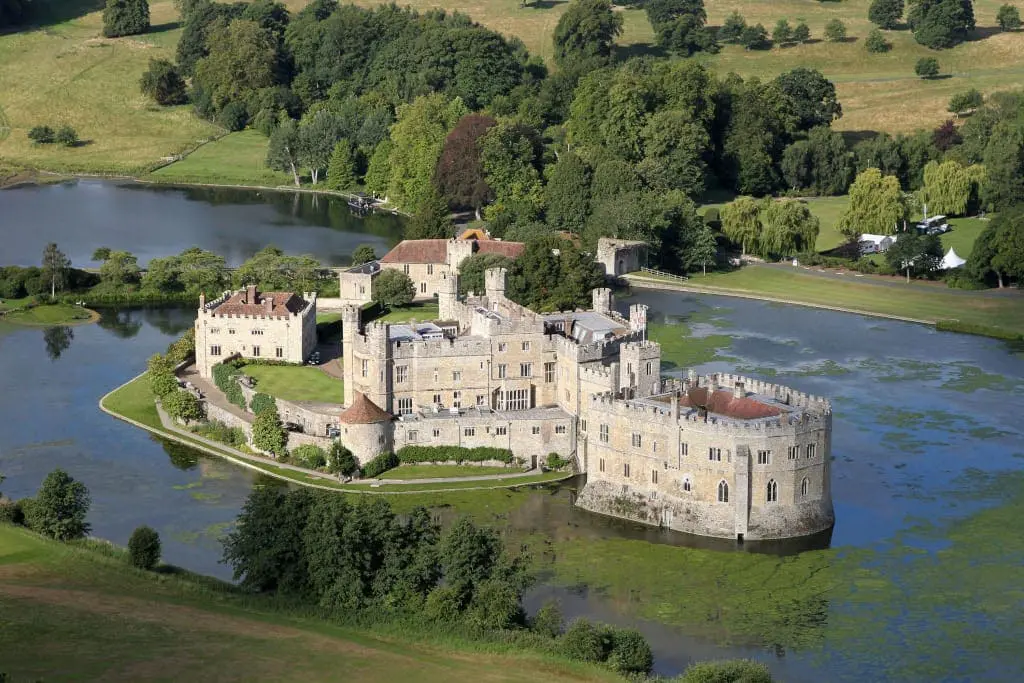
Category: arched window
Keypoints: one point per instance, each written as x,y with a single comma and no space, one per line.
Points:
803,487
687,486
723,492
773,491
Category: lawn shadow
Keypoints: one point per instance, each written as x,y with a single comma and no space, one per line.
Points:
848,39
81,143
47,13
160,28
626,52
852,137
938,77
983,32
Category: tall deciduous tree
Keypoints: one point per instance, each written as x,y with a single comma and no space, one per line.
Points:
812,97
917,255
941,24
886,13
460,172
432,220
835,31
363,254
704,250
1004,162
567,193
949,187
242,59
319,132
510,153
265,549
471,271
418,138
877,206
964,102
789,228
585,34
393,288
121,268
55,267
163,83
283,153
732,28
268,433
60,508
1008,18
741,223
125,18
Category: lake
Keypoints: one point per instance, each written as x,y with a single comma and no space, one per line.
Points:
920,581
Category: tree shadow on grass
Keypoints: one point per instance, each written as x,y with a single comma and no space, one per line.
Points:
852,137
938,77
160,28
626,52
983,32
58,11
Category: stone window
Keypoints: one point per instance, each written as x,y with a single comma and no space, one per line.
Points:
514,399
625,470
654,447
430,269
604,433
413,435
401,373
560,429
481,400
684,449
364,367
549,372
456,399
772,494
804,485
456,375
764,457
501,431
687,486
810,450
723,492
715,454
279,352
437,399
793,451
406,268
405,406
535,429
231,330
650,367
255,351
437,433
526,346
362,289
654,476
502,347
637,440
258,333
423,288
526,369
381,440
215,350
600,465
469,431
583,425
502,370
214,330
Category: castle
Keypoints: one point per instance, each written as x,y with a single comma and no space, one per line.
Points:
719,455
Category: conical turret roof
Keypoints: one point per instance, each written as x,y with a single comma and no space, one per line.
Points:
363,411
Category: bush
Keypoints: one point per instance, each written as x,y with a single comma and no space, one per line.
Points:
835,31
265,121
218,431
60,508
308,455
630,653
66,136
876,43
163,83
41,135
341,460
11,511
927,67
182,405
144,548
225,376
125,18
162,383
495,606
1008,18
233,116
421,454
584,642
268,434
557,462
548,620
755,38
379,465
261,402
444,604
731,671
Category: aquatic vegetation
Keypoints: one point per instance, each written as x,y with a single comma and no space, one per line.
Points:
680,349
970,379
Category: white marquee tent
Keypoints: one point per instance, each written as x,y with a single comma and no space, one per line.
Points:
951,260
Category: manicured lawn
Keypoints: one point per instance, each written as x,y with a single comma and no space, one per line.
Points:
437,471
75,613
327,317
913,301
135,401
50,314
235,159
416,311
827,209
293,383
963,235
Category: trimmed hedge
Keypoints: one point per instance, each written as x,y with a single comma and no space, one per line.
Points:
419,454
226,376
379,465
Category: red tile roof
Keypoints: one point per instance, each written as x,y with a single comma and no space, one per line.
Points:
270,304
363,411
436,251
722,402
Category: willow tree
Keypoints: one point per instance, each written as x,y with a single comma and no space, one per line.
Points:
789,228
741,223
877,205
949,188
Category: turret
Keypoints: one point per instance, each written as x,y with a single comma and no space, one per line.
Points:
494,284
602,300
447,298
458,251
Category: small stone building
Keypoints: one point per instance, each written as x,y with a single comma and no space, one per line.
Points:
621,256
258,325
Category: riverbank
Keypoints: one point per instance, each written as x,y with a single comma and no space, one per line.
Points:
27,312
1002,315
133,402
116,623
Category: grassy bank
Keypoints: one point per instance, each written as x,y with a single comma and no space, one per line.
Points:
15,311
292,383
918,301
435,471
235,159
77,612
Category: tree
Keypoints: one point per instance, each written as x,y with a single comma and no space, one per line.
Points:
125,18
459,175
1008,245
949,187
1004,163
472,269
705,249
583,642
789,228
679,26
55,267
964,102
266,548
886,13
144,548
741,222
319,134
163,83
418,138
100,254
876,42
548,620
755,38
393,288
734,671
378,171
267,432
835,31
567,193
1008,18
917,254
821,163
433,220
801,33
782,33
927,67
58,340
940,24
877,206
812,98
309,456
340,460
364,253
162,383
946,136
630,653
341,169
60,508
66,136
283,152
41,135
121,268
732,28
182,405
242,60
585,34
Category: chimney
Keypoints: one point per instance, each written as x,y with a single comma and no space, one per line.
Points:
268,304
737,390
202,301
250,294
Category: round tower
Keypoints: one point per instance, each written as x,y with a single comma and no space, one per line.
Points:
365,429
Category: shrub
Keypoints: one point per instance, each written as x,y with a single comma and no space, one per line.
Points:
379,465
582,641
218,431
876,43
965,101
886,13
341,460
163,82
11,511
835,31
730,671
548,620
265,121
420,454
557,462
182,405
60,508
802,33
755,38
261,402
268,434
309,455
1008,18
630,653
41,135
125,18
927,67
225,376
182,348
444,604
144,548
732,28
66,136
233,116
162,383
495,605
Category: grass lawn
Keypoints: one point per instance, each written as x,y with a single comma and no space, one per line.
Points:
235,159
518,481
827,209
963,235
437,471
49,314
415,311
135,401
66,73
327,318
293,383
76,612
913,301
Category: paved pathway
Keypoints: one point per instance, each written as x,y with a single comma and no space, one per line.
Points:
449,480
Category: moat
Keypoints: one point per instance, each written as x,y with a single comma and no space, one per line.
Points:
919,580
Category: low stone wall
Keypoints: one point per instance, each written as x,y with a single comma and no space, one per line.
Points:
315,423
219,414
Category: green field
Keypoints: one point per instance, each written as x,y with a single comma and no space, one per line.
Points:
235,159
293,383
437,471
919,301
963,235
49,314
416,311
76,612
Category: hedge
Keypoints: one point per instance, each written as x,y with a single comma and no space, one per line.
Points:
379,465
226,378
420,454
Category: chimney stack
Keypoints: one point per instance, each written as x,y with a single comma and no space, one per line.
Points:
738,391
268,304
202,301
250,294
